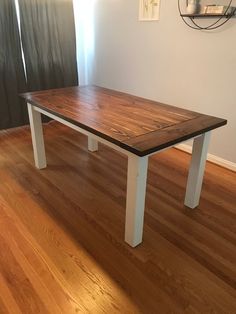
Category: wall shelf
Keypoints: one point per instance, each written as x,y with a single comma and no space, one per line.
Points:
219,19
208,15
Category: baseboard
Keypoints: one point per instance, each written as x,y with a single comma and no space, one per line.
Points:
212,158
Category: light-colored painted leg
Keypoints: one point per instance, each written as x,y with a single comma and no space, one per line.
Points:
92,145
196,171
37,137
135,199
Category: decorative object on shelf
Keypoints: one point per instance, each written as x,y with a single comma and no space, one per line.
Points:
222,14
149,10
192,6
217,9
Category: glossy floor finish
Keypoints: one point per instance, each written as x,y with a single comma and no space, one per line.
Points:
61,233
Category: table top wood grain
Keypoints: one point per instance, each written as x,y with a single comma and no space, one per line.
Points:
136,124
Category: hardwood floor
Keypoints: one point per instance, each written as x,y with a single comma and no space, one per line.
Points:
62,228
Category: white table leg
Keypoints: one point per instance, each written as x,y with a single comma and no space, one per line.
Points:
37,137
135,199
92,145
196,171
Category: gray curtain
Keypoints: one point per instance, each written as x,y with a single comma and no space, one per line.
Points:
12,79
49,43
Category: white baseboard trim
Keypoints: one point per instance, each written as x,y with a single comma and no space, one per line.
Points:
212,158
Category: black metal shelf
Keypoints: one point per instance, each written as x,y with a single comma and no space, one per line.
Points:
208,15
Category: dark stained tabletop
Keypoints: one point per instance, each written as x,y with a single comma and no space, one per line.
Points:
138,125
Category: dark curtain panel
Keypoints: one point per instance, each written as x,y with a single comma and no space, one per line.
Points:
12,79
49,43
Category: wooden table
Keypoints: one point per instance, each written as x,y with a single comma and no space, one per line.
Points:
132,125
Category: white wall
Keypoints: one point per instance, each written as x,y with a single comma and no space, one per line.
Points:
168,62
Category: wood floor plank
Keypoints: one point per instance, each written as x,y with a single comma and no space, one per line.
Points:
62,232
18,282
7,301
